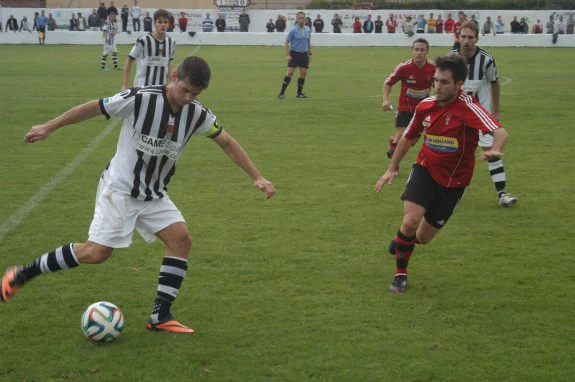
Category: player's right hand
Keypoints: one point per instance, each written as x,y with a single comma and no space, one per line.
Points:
385,179
37,133
386,106
288,58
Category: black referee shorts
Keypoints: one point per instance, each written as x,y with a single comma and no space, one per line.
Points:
438,201
298,60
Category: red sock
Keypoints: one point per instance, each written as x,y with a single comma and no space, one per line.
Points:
403,251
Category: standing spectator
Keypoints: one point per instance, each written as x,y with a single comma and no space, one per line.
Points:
136,13
378,25
148,23
368,25
515,26
474,21
391,23
35,22
456,26
244,20
25,25
488,26
11,24
537,27
570,24
408,26
550,25
439,24
183,22
449,22
559,26
42,21
73,23
171,22
336,23
221,23
281,23
52,25
308,23
523,26
357,25
270,26
94,21
499,25
318,24
420,24
103,14
207,24
112,9
125,12
431,24
81,22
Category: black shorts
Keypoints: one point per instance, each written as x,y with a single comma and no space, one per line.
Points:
298,59
402,119
42,29
438,201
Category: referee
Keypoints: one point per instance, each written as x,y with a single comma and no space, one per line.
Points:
298,54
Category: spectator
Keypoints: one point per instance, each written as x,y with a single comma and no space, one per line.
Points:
357,25
171,22
25,25
270,26
570,24
378,25
550,25
474,21
208,24
336,23
124,13
488,26
81,22
308,23
559,26
148,23
281,23
391,23
220,23
420,24
183,21
538,27
499,25
35,27
244,21
408,26
73,23
52,25
431,24
112,9
368,25
136,13
439,24
11,24
318,24
103,14
94,21
449,22
523,27
515,26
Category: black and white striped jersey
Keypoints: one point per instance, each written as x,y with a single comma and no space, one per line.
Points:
153,58
109,30
151,139
482,72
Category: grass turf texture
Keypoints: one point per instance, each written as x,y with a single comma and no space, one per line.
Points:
296,288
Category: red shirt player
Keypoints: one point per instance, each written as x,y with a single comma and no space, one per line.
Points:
450,121
456,28
416,76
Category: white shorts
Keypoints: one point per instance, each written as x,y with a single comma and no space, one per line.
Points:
116,215
485,140
110,49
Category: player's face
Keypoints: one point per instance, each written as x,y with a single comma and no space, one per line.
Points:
468,40
445,86
419,52
300,19
161,25
183,92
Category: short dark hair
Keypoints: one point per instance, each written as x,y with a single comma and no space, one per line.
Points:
196,71
470,25
161,13
457,65
421,40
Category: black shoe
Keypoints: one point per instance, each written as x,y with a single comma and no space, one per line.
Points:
399,284
281,96
301,95
392,247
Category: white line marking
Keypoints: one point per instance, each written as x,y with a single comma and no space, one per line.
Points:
505,80
17,217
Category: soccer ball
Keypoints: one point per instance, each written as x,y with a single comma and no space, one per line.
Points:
102,322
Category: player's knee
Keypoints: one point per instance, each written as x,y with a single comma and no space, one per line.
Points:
92,253
409,228
183,243
423,239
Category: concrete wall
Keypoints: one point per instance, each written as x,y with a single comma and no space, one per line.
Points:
202,4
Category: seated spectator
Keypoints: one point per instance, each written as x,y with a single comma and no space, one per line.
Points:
488,26
25,25
270,26
207,24
183,22
52,25
357,25
570,24
439,24
515,26
499,25
408,26
523,27
538,27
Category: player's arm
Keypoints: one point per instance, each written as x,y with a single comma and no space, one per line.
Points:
386,103
495,96
126,73
239,156
76,114
496,149
286,50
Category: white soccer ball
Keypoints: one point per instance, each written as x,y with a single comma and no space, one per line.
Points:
102,322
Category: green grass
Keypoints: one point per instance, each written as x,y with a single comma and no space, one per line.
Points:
295,288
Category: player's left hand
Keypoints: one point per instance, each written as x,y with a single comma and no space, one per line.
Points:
385,179
266,186
491,155
37,133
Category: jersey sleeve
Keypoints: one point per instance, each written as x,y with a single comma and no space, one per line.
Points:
477,117
120,105
173,50
491,71
137,49
415,126
289,36
394,76
209,127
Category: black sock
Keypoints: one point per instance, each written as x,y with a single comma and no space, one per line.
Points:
60,258
497,173
285,84
172,273
300,82
115,60
103,61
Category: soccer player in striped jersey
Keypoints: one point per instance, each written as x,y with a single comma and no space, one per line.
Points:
450,121
153,52
483,84
416,76
132,195
109,30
